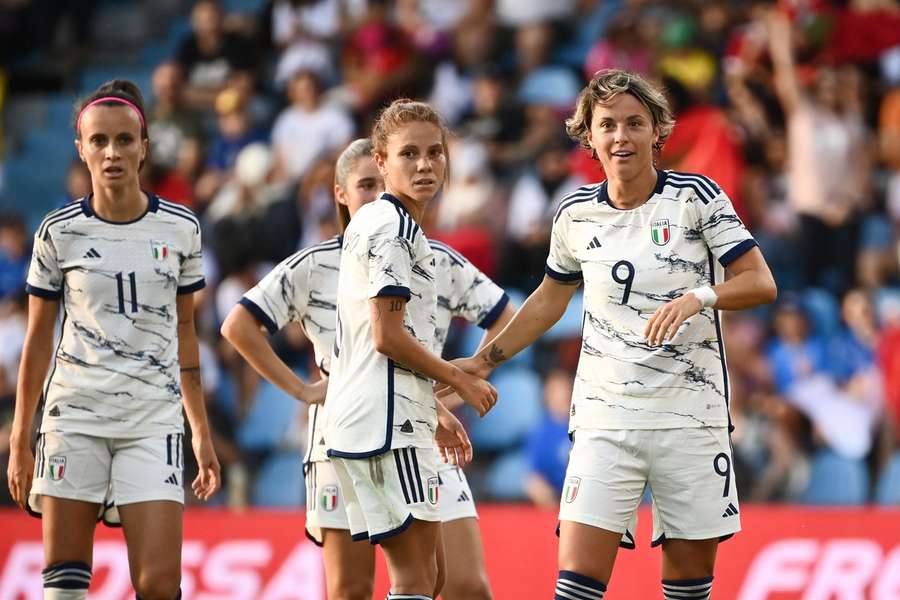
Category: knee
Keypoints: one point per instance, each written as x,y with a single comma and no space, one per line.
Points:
470,588
350,589
158,585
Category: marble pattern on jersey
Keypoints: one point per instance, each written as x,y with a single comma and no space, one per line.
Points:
116,369
628,274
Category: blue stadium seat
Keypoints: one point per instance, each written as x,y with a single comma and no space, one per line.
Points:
472,335
279,482
506,477
94,77
835,479
515,414
888,491
823,311
569,325
270,417
243,6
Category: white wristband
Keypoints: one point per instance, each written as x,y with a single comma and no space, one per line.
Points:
706,295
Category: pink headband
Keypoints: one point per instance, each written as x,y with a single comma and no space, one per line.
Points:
109,99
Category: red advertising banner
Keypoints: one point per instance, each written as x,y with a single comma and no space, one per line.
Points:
784,553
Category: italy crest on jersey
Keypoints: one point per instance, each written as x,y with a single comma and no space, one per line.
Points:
659,232
329,497
571,490
159,249
57,466
433,488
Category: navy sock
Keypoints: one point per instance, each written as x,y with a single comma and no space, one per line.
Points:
66,580
687,589
573,586
391,596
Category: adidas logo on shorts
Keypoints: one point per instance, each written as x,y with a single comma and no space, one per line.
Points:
173,479
463,497
730,511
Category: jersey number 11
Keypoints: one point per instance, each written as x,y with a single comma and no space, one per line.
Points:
120,284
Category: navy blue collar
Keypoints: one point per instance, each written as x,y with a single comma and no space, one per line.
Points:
396,202
603,192
88,210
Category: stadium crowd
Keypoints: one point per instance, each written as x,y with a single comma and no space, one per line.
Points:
793,109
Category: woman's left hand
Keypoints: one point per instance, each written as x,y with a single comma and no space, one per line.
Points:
208,476
451,439
664,323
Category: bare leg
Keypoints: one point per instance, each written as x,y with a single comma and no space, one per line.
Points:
411,558
466,575
153,534
349,566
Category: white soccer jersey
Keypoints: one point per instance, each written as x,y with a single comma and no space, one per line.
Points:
632,262
375,404
463,291
303,288
116,371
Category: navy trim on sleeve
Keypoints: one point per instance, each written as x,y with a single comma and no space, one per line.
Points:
261,316
192,287
491,318
737,252
568,277
400,291
42,293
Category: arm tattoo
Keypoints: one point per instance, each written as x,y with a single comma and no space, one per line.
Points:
396,305
190,379
495,356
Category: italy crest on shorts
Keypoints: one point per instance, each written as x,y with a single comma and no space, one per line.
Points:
659,232
160,250
329,497
570,492
433,490
57,466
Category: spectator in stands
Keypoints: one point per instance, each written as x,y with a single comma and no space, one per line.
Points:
236,130
547,448
308,129
209,54
78,182
827,161
15,255
172,122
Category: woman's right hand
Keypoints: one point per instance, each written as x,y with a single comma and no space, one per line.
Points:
20,471
476,392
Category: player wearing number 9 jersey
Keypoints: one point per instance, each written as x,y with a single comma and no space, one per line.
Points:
659,254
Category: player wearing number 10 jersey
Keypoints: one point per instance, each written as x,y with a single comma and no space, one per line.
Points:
650,401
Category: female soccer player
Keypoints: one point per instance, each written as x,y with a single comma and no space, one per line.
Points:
380,416
125,264
303,288
659,253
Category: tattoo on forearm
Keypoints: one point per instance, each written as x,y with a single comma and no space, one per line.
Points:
190,379
184,369
396,306
495,356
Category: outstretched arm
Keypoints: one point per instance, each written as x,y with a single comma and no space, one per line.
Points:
543,308
787,86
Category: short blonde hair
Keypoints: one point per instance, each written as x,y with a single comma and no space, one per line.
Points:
607,84
345,165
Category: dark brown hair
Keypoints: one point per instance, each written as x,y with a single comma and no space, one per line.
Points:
116,88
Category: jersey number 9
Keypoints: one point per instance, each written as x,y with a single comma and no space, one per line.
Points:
627,280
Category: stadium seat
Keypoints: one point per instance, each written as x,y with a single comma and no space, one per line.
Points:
515,414
569,326
472,336
279,482
887,493
506,477
836,480
271,415
823,310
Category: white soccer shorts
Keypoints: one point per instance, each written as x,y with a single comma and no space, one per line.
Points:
689,471
456,500
107,471
325,505
385,493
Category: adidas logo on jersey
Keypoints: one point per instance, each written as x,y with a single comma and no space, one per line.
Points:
173,479
54,412
463,497
92,254
595,243
406,427
730,511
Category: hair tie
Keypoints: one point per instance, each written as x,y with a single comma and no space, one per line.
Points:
109,99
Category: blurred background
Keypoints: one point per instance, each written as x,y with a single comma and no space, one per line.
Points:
796,116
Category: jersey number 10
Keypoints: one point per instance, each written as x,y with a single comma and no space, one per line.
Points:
120,284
